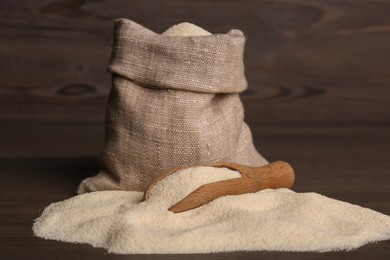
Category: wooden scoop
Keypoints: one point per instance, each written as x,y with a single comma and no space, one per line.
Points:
275,175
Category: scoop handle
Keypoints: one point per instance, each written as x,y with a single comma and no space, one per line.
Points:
271,176
278,174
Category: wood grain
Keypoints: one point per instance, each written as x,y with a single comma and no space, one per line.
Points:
305,60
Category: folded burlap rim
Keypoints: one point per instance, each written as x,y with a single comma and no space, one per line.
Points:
207,64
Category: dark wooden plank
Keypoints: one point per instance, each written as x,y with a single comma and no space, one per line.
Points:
50,139
349,162
305,60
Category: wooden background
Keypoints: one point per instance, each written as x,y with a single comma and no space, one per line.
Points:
306,60
318,98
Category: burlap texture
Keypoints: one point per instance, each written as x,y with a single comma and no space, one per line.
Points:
174,102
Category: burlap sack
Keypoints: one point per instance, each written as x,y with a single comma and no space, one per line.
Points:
174,102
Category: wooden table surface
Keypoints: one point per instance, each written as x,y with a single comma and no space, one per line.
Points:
349,162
